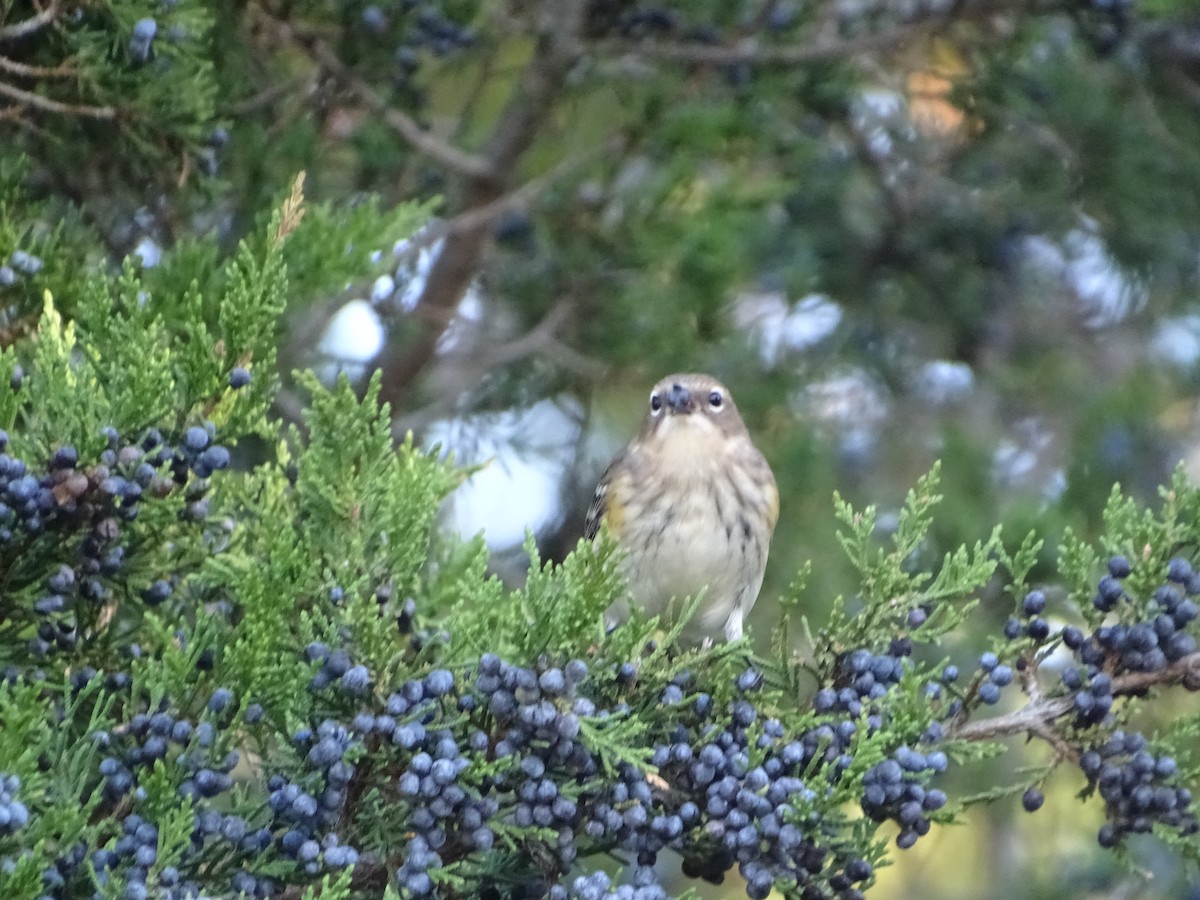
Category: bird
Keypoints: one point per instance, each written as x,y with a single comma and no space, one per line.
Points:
691,503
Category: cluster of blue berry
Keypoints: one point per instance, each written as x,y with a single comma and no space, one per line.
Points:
504,750
194,754
897,789
13,814
1156,637
84,508
20,262
495,754
740,785
1139,789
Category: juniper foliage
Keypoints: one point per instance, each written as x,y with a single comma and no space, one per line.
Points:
236,658
262,675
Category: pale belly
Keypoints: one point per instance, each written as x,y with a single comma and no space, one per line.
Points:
699,549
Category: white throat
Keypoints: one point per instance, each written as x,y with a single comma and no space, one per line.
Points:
686,441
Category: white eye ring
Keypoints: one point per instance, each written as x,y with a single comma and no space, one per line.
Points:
716,401
656,404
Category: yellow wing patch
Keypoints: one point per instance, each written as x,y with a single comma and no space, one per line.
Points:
773,503
606,505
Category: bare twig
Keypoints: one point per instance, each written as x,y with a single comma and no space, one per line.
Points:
1049,734
514,199
751,52
1038,716
541,340
63,70
305,332
29,26
268,96
571,360
46,104
420,139
821,47
516,128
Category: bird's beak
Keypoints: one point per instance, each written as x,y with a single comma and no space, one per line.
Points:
679,399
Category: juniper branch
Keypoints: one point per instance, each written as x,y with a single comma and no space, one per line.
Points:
1040,714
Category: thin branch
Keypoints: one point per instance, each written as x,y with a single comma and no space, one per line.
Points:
1036,718
306,331
748,49
540,340
571,360
63,70
534,340
1029,679
751,52
420,139
1049,734
29,26
46,104
514,199
268,96
515,130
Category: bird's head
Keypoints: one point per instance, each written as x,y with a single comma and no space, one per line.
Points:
686,412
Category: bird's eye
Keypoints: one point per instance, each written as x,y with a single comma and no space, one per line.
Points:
655,403
716,400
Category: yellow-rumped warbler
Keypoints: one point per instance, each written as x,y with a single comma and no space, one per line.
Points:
692,504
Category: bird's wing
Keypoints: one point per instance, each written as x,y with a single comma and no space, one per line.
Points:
604,505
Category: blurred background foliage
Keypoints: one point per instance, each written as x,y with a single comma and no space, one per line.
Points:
900,230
